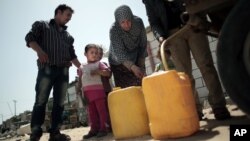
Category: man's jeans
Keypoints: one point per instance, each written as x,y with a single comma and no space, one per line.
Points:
49,77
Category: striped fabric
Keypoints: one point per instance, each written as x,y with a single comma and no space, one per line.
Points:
58,44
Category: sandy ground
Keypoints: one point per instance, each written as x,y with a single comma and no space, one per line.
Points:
210,129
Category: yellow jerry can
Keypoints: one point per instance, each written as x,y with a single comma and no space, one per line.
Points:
128,113
170,105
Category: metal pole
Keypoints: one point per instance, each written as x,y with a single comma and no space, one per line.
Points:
15,106
2,118
10,108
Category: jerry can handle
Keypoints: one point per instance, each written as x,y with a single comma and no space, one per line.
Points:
163,55
164,44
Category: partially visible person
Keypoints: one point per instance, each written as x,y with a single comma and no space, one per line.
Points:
106,83
164,19
105,79
55,51
90,75
127,52
169,61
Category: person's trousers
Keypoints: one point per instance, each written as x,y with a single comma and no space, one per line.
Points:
49,77
198,44
98,115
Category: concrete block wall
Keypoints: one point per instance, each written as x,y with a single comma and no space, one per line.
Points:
154,46
200,84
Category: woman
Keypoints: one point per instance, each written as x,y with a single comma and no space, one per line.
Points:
127,50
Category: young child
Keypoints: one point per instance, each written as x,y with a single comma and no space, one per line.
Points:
93,90
159,66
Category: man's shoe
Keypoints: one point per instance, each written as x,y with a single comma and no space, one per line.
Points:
33,138
36,134
89,135
101,134
221,113
57,136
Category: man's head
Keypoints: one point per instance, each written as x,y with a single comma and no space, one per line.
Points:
63,14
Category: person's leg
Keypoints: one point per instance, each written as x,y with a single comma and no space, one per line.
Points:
61,75
43,88
93,120
59,94
93,117
202,55
180,52
103,116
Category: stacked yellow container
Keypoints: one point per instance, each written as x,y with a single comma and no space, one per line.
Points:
170,102
170,105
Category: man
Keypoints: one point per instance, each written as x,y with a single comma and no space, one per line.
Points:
55,51
164,19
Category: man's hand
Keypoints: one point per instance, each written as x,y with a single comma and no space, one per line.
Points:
76,62
42,56
161,39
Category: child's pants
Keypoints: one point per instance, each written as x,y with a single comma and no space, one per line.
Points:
98,115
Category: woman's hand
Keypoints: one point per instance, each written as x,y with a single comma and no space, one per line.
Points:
137,71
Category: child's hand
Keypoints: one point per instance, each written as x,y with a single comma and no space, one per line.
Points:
95,72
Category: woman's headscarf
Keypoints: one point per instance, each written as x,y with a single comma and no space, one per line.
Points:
123,13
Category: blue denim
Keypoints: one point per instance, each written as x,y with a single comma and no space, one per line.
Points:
49,77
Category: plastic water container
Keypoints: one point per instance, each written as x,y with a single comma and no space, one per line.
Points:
170,105
128,113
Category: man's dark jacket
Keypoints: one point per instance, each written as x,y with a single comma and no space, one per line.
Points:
163,16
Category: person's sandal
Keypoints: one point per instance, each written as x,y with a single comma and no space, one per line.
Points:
89,135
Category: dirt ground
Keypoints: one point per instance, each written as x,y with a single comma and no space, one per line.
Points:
210,129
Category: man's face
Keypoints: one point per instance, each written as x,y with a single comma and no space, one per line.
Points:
64,16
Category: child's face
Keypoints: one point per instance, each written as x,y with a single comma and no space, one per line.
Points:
100,54
92,54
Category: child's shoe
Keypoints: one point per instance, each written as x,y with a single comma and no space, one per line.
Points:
101,134
89,135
